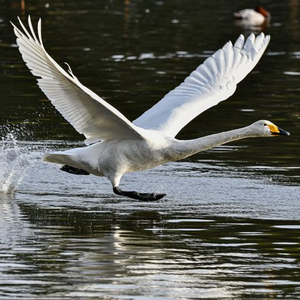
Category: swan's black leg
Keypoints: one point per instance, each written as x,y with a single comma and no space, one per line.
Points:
138,196
73,170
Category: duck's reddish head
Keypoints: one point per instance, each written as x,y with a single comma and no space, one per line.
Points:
262,11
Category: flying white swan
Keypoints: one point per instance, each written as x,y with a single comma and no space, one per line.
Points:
118,146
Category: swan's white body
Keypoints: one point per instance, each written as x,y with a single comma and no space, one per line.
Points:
254,17
118,146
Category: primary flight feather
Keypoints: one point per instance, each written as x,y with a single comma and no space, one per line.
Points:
212,82
120,146
83,109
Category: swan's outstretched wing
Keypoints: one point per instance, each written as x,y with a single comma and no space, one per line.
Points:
83,109
212,82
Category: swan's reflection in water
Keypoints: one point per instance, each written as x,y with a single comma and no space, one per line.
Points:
132,252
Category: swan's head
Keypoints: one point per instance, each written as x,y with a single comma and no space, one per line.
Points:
267,128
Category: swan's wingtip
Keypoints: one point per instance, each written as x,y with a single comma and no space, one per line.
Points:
13,25
239,42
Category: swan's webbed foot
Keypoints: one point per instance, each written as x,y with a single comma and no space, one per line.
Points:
73,170
138,196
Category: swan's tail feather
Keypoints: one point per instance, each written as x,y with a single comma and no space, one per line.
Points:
69,160
59,157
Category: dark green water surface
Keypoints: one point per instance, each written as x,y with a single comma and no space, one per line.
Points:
229,227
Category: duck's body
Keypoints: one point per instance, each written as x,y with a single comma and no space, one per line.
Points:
253,17
118,146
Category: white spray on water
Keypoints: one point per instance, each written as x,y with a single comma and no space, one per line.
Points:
15,159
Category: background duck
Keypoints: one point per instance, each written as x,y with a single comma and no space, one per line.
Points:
255,16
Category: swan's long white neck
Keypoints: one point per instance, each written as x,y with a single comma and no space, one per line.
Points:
186,148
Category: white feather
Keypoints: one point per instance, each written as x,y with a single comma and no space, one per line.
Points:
150,142
83,109
212,82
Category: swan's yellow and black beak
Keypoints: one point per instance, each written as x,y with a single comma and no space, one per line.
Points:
276,131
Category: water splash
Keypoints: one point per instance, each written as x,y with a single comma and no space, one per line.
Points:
15,159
